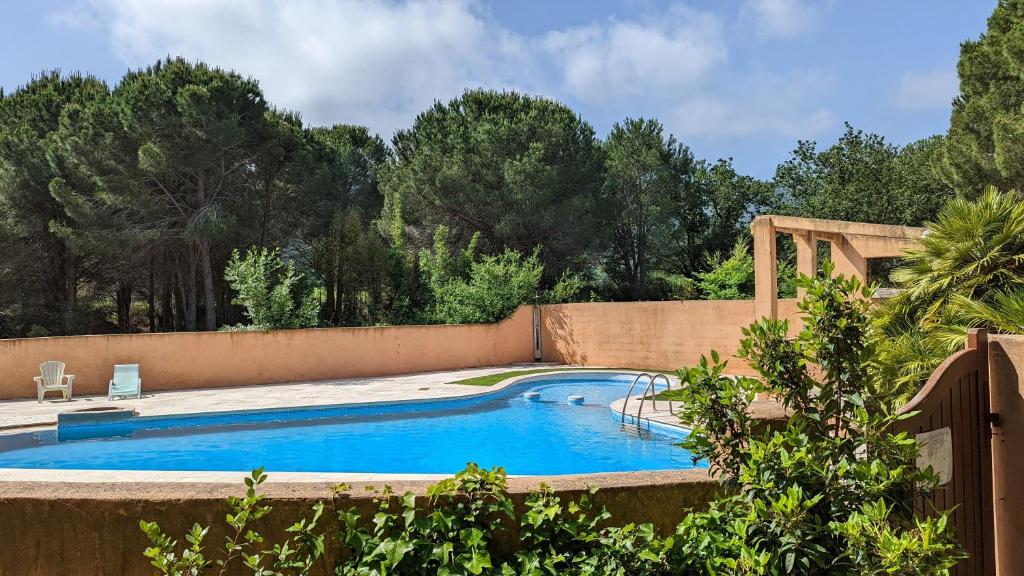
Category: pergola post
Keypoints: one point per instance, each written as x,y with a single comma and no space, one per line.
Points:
806,256
765,270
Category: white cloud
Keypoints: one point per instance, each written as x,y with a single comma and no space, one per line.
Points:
763,103
924,91
678,51
780,18
362,61
380,62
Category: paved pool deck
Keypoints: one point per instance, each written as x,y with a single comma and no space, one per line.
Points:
18,415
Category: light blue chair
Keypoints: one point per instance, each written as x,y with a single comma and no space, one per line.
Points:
126,382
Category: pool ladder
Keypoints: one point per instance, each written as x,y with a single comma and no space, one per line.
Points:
643,397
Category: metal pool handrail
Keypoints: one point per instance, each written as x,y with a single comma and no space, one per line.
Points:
654,396
643,397
628,394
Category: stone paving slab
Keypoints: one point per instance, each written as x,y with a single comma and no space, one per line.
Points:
15,415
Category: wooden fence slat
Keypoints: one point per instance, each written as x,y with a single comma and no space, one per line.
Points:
957,395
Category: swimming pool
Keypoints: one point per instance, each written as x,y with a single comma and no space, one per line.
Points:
540,437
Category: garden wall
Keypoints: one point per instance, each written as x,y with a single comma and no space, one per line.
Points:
175,361
653,335
79,528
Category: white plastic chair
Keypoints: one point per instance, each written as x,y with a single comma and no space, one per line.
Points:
52,378
126,381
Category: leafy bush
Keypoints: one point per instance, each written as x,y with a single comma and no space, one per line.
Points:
469,526
733,277
270,291
672,286
296,555
566,289
967,273
832,492
466,289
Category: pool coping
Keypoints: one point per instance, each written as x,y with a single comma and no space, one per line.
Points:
178,477
285,484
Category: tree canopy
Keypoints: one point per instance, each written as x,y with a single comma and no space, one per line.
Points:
123,205
985,144
864,178
521,171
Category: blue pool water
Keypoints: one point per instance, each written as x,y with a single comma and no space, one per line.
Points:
440,437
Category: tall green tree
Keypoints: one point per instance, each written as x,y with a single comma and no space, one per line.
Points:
522,171
189,133
646,178
716,213
985,144
863,178
361,272
46,268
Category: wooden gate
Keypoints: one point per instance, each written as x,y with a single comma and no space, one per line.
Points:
954,407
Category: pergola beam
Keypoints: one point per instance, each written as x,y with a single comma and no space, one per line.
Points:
853,243
795,225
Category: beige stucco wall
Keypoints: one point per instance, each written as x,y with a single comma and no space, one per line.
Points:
1006,367
93,529
655,335
214,359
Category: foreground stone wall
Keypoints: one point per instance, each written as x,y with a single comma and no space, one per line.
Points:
92,529
653,335
177,361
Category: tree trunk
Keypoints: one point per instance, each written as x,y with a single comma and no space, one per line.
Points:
151,296
209,292
168,318
70,296
60,293
203,246
123,297
187,291
327,314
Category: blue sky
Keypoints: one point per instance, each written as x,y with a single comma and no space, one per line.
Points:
739,78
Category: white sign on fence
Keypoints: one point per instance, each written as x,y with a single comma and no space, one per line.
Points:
936,450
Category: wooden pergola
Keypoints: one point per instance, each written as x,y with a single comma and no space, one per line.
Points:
852,244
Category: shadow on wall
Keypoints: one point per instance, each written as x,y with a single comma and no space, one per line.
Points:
558,339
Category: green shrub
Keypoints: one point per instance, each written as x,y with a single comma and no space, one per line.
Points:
296,555
466,289
467,526
672,286
733,277
832,492
567,289
269,291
